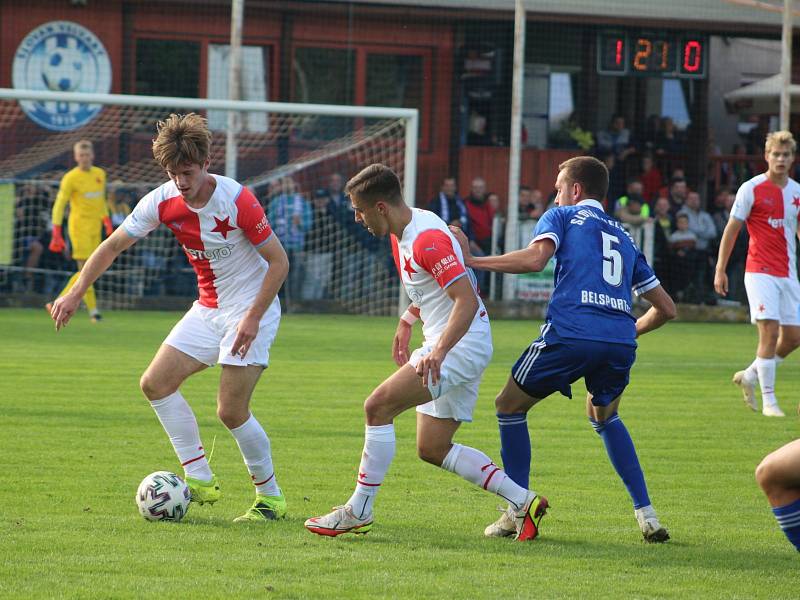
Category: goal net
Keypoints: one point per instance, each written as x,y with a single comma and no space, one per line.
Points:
296,158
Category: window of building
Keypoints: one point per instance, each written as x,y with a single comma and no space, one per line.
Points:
255,81
179,76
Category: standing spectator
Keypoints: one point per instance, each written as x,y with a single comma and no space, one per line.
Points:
741,170
631,208
736,263
663,226
651,178
118,202
702,225
335,190
616,181
450,207
531,203
481,214
669,139
678,189
682,243
291,218
320,242
481,218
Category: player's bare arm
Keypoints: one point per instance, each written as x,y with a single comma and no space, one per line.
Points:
465,304
402,336
97,264
527,260
247,329
662,309
729,235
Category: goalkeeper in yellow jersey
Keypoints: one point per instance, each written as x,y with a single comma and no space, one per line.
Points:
84,188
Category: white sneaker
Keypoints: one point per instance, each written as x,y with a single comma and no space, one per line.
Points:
505,526
748,390
341,520
652,530
772,410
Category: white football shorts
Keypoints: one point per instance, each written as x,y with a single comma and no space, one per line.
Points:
207,334
456,393
775,298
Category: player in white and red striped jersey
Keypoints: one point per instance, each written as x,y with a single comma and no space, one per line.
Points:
441,377
770,206
240,266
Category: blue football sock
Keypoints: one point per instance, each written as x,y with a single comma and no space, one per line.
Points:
515,447
789,519
622,454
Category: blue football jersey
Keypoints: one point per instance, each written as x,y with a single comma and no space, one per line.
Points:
598,267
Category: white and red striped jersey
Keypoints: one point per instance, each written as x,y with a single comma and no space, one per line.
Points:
771,214
219,239
429,259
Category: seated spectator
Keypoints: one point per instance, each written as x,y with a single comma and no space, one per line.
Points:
651,178
531,203
616,139
682,243
631,208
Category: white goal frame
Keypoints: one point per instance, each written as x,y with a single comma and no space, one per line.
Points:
409,117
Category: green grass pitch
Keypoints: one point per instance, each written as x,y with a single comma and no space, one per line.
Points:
77,436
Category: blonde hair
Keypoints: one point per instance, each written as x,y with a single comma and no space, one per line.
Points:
182,139
83,145
780,138
376,183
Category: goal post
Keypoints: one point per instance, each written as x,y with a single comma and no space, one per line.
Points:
291,156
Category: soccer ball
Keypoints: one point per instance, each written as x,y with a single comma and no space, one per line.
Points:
62,69
163,496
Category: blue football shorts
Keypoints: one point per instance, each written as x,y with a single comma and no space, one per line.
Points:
552,363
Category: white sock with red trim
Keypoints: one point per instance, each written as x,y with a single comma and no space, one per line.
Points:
766,379
257,453
474,466
379,448
178,421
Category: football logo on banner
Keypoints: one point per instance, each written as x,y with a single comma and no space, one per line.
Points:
61,56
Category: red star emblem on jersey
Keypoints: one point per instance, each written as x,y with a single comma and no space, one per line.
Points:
761,308
408,268
796,202
223,226
362,475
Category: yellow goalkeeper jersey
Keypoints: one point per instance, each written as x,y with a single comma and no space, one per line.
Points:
86,193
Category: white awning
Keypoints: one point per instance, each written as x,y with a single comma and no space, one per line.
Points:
761,97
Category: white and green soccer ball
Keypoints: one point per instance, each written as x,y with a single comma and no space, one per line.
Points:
163,496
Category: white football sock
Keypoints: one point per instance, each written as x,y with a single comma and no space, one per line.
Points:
474,466
257,454
379,448
766,379
178,420
751,372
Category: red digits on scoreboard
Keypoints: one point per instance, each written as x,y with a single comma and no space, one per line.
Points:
692,56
